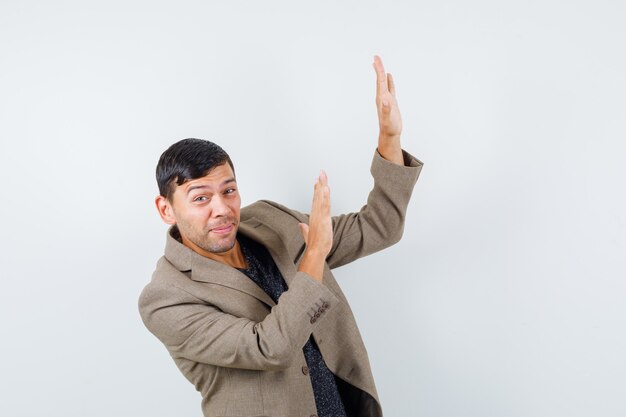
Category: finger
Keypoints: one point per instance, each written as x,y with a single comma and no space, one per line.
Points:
324,185
391,85
381,77
321,201
323,177
317,192
321,198
327,199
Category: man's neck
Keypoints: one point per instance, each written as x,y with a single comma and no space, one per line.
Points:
233,257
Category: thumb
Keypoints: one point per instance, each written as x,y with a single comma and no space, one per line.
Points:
304,229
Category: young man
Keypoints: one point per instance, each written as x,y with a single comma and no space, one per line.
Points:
244,299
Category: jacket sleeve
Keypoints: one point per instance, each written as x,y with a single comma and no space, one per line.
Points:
380,222
192,329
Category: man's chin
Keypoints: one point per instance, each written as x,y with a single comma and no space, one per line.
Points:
223,247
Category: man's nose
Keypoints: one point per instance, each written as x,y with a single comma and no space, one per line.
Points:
219,207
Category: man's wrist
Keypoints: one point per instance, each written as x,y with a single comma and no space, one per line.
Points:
312,254
389,147
313,263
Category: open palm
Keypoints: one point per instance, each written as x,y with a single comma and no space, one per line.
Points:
389,119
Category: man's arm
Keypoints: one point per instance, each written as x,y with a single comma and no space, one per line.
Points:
380,222
192,329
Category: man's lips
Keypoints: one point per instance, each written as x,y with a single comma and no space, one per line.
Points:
222,229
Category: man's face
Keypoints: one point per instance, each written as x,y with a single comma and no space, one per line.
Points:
206,210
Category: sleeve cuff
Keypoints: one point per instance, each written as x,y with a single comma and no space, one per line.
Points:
384,170
317,297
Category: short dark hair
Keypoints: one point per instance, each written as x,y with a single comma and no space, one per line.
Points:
188,159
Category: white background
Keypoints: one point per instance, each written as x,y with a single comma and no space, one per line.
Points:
505,296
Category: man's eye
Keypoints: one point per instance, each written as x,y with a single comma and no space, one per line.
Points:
200,198
230,190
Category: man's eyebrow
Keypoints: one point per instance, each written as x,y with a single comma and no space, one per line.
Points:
193,187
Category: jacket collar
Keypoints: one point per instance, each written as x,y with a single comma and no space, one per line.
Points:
204,269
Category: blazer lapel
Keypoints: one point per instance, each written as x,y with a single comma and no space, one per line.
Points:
208,270
204,269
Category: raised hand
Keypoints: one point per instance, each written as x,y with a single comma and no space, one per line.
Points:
389,119
318,234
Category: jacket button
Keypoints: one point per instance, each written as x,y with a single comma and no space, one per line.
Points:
316,315
313,320
305,370
325,305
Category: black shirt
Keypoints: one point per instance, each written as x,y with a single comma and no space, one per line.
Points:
263,271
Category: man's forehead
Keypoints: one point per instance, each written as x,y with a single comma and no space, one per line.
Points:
217,177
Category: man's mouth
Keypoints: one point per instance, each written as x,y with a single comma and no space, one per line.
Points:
220,230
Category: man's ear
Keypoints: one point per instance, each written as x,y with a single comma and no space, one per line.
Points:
164,207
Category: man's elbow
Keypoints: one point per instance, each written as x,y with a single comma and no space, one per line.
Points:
398,235
278,353
280,362
393,235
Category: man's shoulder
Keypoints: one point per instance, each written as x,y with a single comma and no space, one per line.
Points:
267,210
166,286
166,274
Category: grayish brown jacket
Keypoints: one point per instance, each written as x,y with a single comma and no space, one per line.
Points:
242,351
